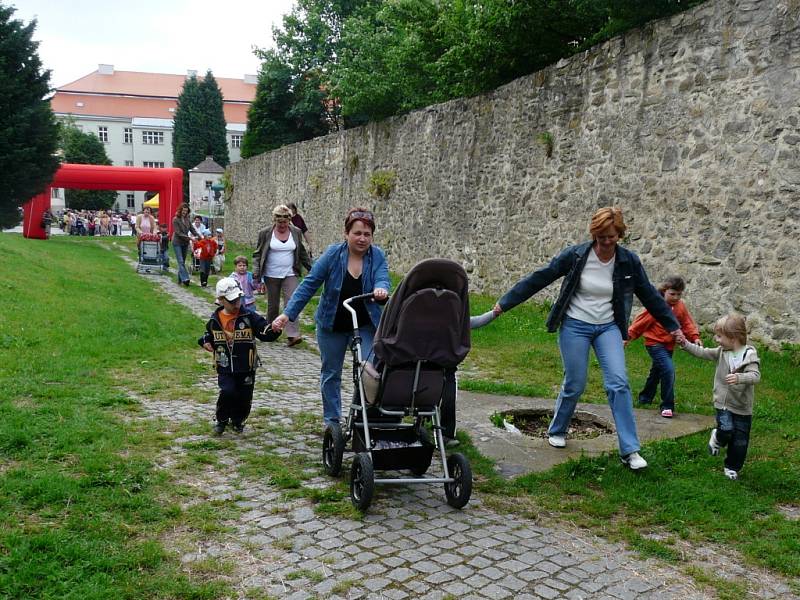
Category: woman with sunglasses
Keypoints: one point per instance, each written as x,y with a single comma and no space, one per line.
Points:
346,269
279,255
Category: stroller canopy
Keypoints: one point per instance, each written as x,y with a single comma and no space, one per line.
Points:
427,318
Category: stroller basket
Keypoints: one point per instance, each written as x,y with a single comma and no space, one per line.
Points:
395,448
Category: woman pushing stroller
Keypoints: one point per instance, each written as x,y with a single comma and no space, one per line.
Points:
351,268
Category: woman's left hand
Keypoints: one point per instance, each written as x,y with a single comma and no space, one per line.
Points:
380,294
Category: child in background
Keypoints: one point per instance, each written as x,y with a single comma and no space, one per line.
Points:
231,334
219,258
660,344
245,280
204,250
736,374
163,246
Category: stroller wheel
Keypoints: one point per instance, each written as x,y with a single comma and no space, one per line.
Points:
460,490
332,449
362,481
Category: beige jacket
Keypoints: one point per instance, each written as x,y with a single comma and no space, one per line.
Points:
737,398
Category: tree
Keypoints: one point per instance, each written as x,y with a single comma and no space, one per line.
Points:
28,131
287,108
199,126
82,148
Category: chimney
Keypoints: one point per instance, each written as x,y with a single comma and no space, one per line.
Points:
191,73
251,79
105,69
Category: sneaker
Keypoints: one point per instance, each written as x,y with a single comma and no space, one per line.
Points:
713,445
219,427
645,400
293,341
730,473
557,441
634,461
238,427
450,442
667,413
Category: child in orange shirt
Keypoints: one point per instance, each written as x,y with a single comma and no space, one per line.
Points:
660,344
204,250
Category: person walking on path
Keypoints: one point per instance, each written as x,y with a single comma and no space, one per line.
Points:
231,334
205,249
277,262
592,311
182,235
734,389
660,344
347,269
299,222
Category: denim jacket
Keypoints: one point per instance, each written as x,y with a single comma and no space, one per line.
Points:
629,278
329,270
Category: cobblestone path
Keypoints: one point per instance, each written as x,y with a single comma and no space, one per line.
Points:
411,544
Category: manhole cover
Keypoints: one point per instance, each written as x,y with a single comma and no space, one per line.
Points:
534,423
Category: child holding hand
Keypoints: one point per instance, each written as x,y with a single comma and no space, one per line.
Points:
660,344
734,380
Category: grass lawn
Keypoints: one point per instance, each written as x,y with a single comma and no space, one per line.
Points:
83,508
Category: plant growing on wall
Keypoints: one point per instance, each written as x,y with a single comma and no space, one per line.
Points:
352,165
381,184
227,184
546,139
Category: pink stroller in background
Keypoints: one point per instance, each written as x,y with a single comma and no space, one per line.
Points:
422,337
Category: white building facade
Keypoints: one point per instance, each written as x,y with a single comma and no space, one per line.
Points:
131,114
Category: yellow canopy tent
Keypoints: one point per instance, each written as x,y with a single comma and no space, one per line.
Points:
152,203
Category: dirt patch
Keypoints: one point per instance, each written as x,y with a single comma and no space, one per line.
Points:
534,423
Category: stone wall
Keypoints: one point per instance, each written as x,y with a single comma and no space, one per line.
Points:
691,125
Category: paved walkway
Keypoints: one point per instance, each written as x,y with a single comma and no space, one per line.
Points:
411,544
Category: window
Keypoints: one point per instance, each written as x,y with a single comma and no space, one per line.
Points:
209,184
236,141
128,163
102,133
55,193
127,136
152,137
153,165
130,200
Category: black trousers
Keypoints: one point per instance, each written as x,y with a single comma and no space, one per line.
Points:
235,396
447,409
733,431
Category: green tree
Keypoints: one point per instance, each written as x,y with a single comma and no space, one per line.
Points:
199,126
28,131
82,148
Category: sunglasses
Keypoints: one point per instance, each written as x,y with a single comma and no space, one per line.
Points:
361,214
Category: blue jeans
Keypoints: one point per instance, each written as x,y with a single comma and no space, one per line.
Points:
574,340
180,256
733,431
661,371
333,346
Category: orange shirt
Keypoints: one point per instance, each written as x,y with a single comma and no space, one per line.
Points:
207,248
645,325
227,321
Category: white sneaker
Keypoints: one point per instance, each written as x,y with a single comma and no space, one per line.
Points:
713,445
730,473
634,461
557,441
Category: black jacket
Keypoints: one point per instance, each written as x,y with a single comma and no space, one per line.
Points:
629,279
238,356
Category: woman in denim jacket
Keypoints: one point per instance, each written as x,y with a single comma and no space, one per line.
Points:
592,310
346,269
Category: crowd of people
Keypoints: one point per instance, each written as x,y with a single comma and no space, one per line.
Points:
592,312
96,222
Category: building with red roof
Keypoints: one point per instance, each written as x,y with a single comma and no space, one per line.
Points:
132,114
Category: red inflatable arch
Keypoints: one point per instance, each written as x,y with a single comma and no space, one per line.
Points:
167,182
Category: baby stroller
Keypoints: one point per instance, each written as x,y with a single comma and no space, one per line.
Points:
422,337
150,259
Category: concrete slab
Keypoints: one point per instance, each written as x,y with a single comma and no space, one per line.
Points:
519,454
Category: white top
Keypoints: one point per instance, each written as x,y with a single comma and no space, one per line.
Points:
281,257
735,358
592,300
